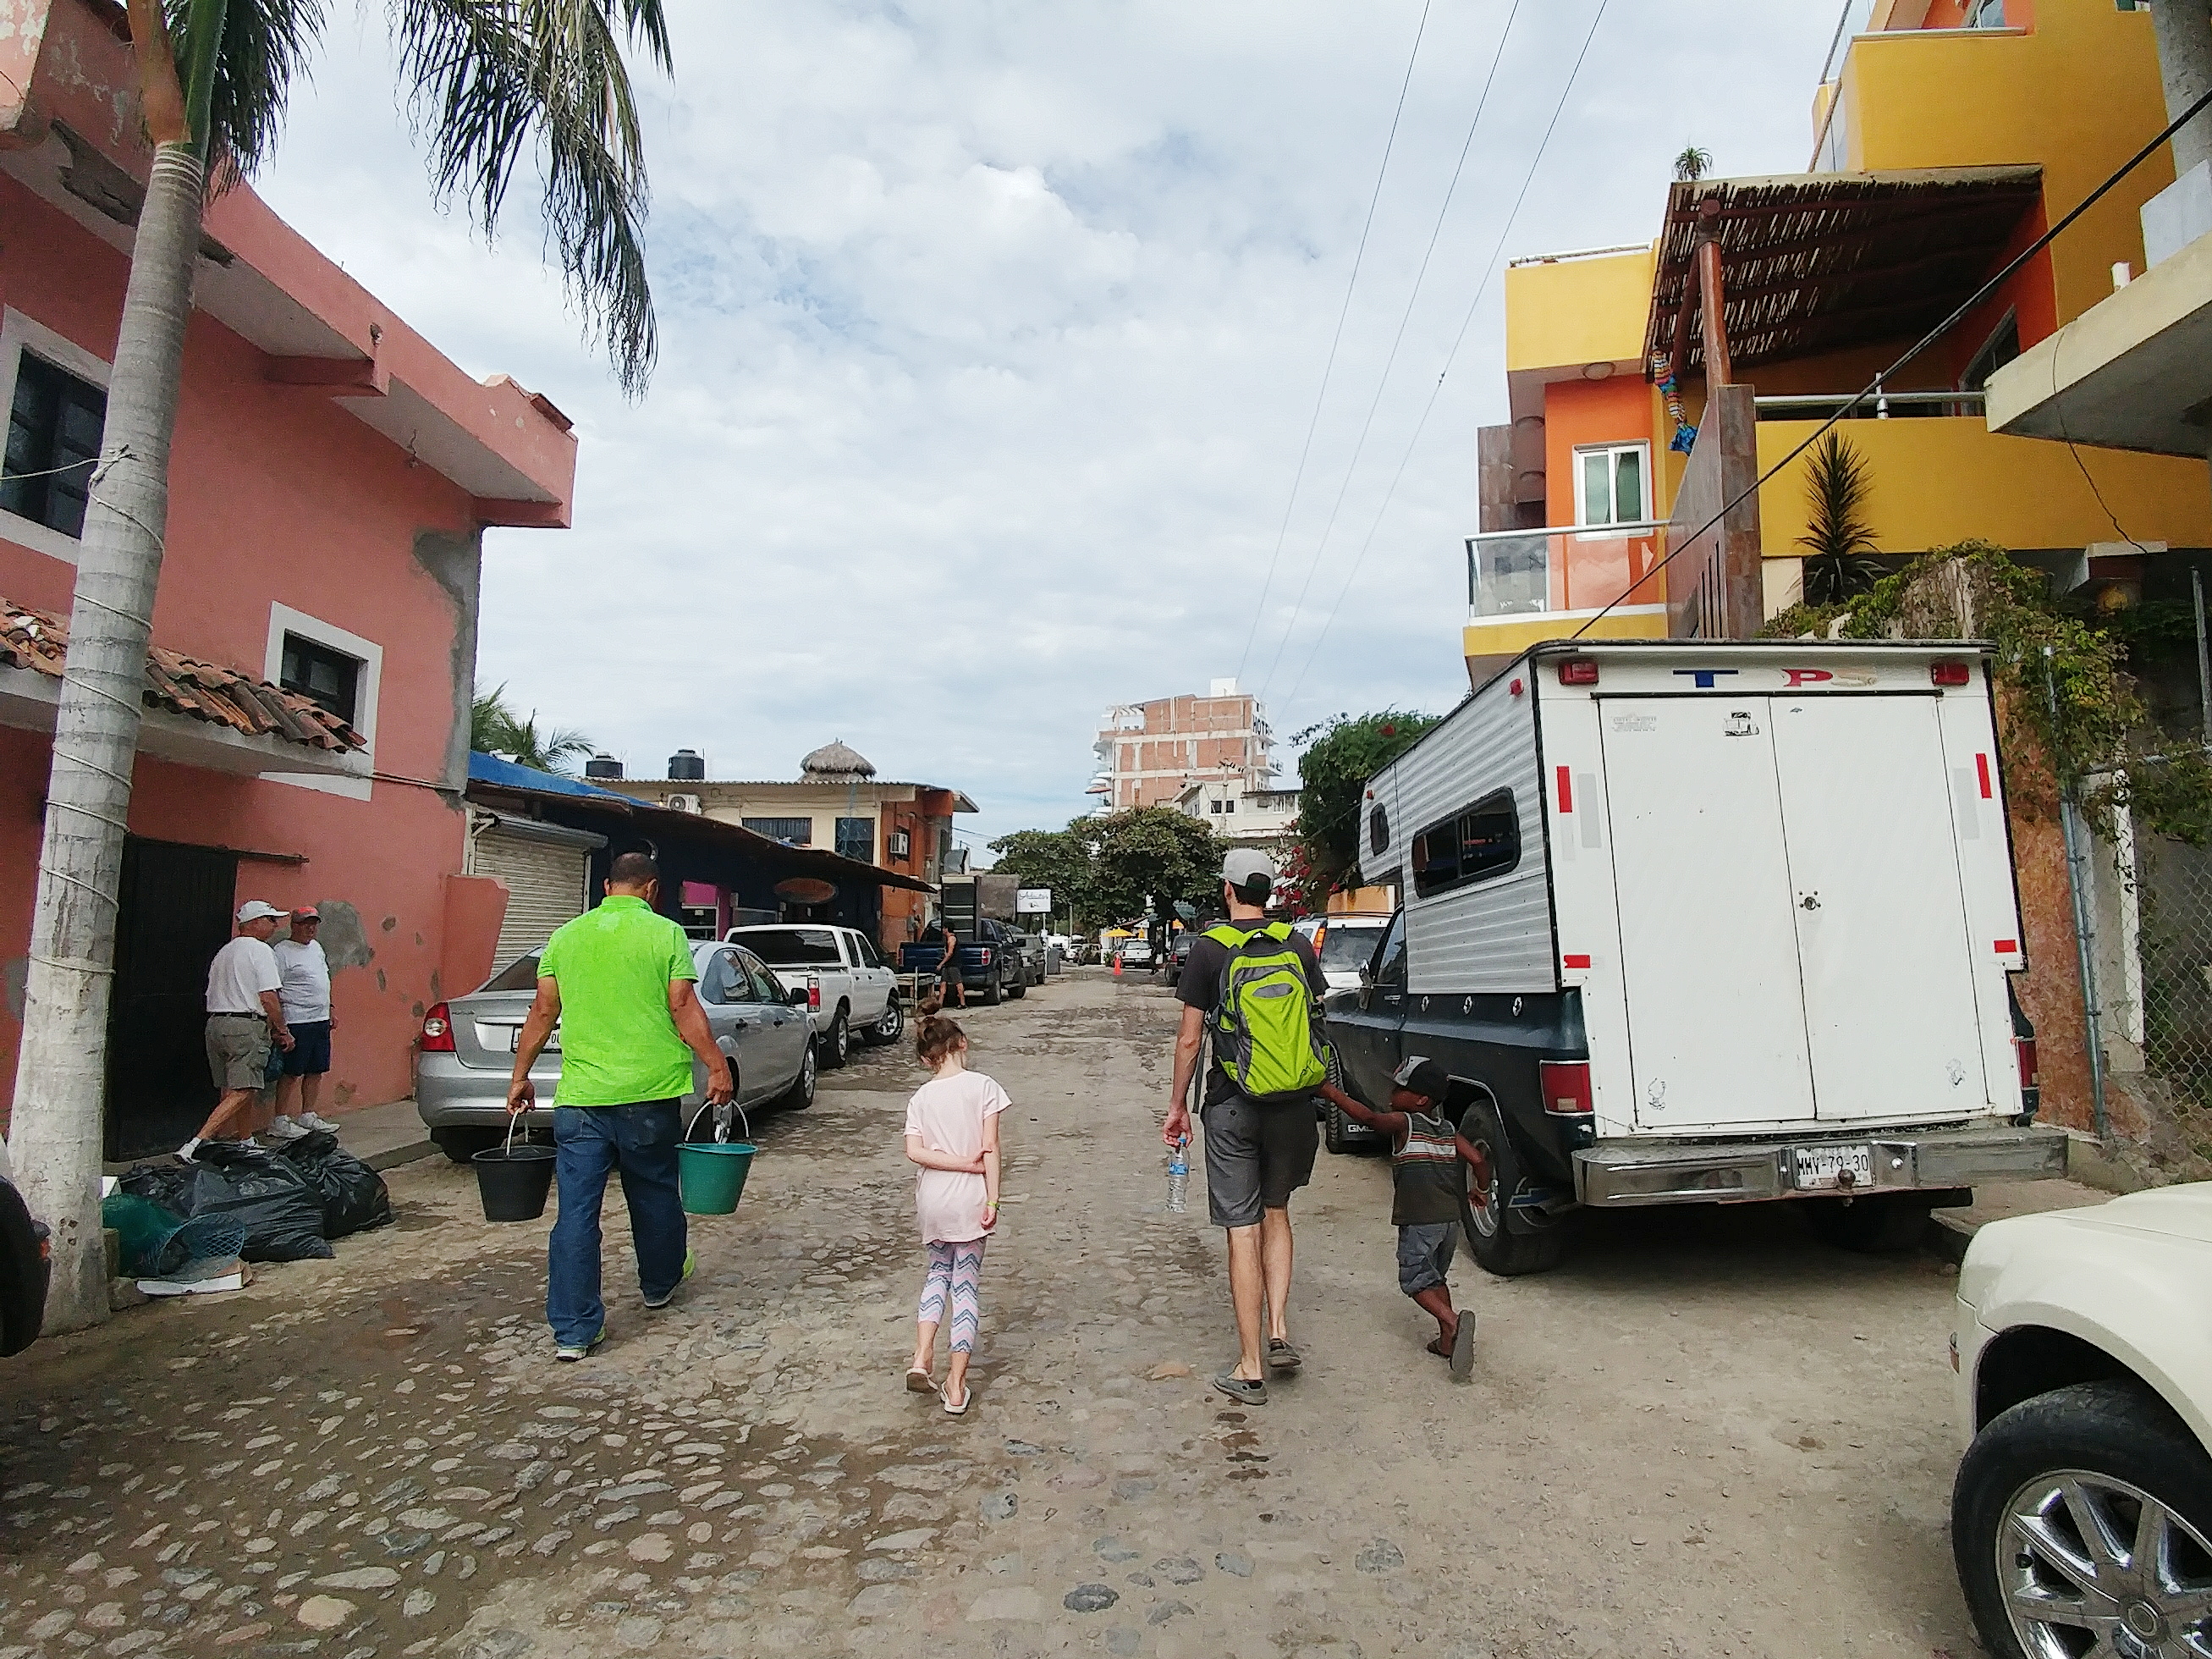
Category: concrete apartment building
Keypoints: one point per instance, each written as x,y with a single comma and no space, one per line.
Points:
1149,752
836,803
1249,817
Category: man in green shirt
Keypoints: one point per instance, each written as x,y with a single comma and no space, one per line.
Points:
619,980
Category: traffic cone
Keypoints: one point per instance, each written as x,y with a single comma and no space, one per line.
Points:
1117,964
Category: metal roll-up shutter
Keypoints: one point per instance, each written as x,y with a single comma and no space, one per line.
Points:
544,888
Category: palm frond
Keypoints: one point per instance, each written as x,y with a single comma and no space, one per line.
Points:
491,722
494,79
1836,490
265,46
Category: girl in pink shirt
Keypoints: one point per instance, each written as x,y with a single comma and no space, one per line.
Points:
953,1132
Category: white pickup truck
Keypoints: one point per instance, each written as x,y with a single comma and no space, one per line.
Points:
849,990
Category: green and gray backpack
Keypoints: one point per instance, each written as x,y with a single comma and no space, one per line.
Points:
1265,1034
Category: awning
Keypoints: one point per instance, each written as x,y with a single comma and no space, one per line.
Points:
1820,262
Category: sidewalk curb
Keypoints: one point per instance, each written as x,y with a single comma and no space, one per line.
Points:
392,1157
1948,1237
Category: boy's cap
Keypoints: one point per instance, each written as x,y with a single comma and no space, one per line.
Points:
1245,863
255,910
1423,1077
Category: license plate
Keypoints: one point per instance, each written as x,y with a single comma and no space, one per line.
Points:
1821,1167
514,1041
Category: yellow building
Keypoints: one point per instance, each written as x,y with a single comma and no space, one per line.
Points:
1954,133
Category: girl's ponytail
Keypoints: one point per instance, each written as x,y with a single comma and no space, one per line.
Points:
936,1037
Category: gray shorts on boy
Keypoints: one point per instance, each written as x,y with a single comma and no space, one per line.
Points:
1425,1254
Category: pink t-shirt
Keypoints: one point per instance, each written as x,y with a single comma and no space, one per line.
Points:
948,1114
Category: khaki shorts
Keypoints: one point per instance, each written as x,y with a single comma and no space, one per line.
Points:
238,1051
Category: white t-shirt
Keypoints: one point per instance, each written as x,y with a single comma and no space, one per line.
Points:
240,972
305,993
947,1113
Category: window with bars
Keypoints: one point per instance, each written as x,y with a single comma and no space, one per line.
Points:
53,442
321,675
799,832
856,839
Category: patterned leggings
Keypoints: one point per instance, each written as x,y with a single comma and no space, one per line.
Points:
954,1270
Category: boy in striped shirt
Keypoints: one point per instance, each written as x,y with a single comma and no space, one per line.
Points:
1425,1151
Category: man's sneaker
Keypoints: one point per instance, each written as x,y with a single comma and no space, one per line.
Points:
285,1128
315,1121
572,1351
690,1262
1242,1390
189,1150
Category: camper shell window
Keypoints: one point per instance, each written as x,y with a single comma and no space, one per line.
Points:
1478,843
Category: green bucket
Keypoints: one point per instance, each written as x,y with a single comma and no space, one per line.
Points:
713,1174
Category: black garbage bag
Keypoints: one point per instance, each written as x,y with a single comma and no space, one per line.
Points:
278,1206
353,1194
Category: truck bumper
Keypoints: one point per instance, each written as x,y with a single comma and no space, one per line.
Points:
1618,1174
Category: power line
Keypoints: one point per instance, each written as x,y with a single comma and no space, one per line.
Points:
1965,308
1336,339
1390,362
1451,356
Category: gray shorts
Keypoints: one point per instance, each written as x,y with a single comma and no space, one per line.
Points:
1256,1156
1425,1254
238,1051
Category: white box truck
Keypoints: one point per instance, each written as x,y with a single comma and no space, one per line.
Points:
1709,923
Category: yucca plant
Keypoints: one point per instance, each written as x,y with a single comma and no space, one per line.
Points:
492,82
1838,537
1692,164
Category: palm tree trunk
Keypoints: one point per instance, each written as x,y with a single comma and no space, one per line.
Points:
55,1135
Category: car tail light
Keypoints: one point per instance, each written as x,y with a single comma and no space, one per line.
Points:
1566,1085
813,993
1950,673
1578,671
438,1029
2024,1049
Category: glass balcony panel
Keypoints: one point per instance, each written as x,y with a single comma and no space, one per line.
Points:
1526,572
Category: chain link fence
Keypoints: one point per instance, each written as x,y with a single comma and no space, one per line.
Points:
2156,988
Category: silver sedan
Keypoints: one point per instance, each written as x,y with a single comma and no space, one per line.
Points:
466,1052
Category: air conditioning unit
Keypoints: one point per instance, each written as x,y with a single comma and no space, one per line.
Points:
681,803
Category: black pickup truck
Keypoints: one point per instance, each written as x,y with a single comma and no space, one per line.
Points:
991,962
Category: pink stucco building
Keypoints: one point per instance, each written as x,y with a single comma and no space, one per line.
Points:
307,722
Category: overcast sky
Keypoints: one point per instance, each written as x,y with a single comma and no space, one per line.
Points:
990,334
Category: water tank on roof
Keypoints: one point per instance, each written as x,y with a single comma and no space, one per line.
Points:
605,768
686,766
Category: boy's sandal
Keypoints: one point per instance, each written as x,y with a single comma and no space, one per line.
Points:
1462,1350
967,1398
917,1381
1282,1355
1438,1348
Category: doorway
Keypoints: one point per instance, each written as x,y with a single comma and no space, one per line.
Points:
175,915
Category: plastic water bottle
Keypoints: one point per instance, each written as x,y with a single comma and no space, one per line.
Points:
1178,1178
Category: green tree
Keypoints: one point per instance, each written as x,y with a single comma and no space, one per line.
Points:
494,83
1150,853
1058,858
1344,753
494,728
1692,164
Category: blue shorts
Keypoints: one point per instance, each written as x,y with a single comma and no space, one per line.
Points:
1425,1254
310,1053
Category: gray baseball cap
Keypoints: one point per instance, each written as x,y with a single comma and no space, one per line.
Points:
1245,863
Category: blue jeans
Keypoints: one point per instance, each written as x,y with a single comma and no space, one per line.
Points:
591,1142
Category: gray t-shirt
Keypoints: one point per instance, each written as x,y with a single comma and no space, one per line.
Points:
1200,987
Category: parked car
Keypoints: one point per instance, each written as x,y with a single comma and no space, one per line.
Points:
849,991
1643,912
25,1264
1134,952
1344,944
466,1052
990,963
2082,1517
1178,954
1035,953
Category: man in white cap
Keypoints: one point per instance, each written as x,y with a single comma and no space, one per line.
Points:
1257,1152
245,1016
306,999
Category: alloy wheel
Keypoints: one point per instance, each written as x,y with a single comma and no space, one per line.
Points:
806,1076
889,1027
1482,1217
2089,1564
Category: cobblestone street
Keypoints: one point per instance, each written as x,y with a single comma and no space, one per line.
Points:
377,1457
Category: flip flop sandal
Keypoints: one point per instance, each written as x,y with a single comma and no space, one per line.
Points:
917,1381
1462,1348
961,1410
1438,1348
1282,1355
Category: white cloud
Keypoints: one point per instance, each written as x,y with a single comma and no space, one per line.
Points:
988,341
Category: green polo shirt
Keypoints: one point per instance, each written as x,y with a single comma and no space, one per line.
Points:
618,1041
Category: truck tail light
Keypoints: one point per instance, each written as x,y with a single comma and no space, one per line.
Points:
438,1029
813,993
1578,671
1566,1085
1950,673
2024,1049
986,956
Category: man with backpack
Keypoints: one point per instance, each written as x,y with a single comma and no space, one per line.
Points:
1256,989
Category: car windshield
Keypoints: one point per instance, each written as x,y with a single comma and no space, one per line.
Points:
520,974
1348,947
786,947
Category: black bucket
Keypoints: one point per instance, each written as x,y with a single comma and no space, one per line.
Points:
514,1180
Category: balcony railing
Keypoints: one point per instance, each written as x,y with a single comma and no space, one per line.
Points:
1527,573
1875,406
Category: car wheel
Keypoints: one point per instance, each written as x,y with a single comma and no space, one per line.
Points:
800,1095
837,1041
2082,1521
461,1146
994,993
1332,1131
1887,1222
892,1026
1506,1242
1020,987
